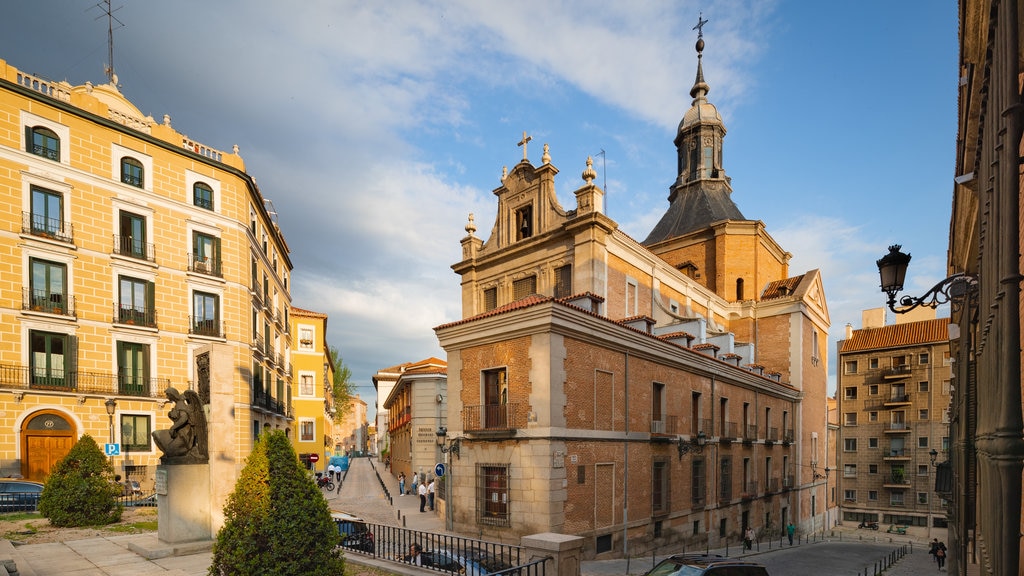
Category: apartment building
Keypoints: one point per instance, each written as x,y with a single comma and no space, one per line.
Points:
893,393
416,406
133,258
644,395
313,400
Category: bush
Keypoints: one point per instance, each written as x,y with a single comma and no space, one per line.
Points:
81,490
276,520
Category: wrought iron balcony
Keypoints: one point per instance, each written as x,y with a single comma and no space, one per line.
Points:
897,427
668,425
205,327
48,302
18,377
730,432
268,403
725,491
493,417
208,265
896,372
788,437
257,344
134,248
49,228
772,437
749,433
134,316
773,484
749,491
898,398
788,482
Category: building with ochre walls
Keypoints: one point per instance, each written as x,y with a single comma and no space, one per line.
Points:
133,259
313,398
644,395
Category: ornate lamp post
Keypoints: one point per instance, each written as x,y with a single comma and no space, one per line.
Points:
111,406
447,447
892,270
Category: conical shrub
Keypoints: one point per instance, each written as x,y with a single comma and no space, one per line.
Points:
81,490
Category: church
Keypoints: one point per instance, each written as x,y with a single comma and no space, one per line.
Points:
645,395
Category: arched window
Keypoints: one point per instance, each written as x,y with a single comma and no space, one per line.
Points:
202,195
44,142
132,172
739,289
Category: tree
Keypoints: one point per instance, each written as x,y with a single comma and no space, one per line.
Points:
276,520
81,490
342,388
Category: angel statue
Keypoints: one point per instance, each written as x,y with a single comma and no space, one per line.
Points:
185,442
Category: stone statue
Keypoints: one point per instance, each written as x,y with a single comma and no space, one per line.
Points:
185,442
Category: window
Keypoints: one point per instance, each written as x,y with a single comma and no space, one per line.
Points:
202,195
50,360
872,442
850,444
896,499
873,363
135,432
922,414
873,390
850,393
725,479
495,416
850,419
206,255
661,487
43,142
133,368
872,416
581,474
492,506
132,240
872,495
851,367
739,289
945,443
922,469
305,338
849,470
922,497
922,386
524,222
135,302
922,358
48,287
47,217
132,172
632,295
307,429
523,287
872,468
205,314
657,407
708,162
306,386
563,281
697,480
898,361
922,442
490,299
850,495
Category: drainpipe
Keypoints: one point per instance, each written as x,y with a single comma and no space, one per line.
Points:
625,470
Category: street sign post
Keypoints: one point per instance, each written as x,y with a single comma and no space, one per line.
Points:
112,449
439,469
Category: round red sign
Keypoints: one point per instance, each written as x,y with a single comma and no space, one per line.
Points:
314,457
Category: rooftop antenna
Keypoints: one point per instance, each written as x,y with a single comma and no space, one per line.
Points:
104,5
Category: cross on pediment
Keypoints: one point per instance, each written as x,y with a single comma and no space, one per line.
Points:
523,143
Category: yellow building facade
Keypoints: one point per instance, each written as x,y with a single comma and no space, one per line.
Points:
313,399
131,256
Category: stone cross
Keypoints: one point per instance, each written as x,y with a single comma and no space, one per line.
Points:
523,143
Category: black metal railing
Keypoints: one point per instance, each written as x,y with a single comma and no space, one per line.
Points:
730,430
899,398
202,202
27,378
773,435
48,302
750,433
134,315
749,491
208,265
493,417
267,402
788,482
130,247
205,327
788,437
50,228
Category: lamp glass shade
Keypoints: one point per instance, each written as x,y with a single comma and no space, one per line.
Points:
111,405
440,435
892,269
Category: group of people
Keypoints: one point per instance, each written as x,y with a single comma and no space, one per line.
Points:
938,551
424,490
748,536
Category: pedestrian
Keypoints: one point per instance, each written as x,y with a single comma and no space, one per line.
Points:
401,483
330,471
415,484
748,538
430,494
940,555
422,491
414,556
790,530
933,547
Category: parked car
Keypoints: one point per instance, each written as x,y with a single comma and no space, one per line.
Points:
131,487
706,565
17,495
467,562
355,535
140,500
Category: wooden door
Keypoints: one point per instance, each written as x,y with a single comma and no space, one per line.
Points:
46,438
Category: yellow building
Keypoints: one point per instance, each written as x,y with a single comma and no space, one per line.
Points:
313,400
133,258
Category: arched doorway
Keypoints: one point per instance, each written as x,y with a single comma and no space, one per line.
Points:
46,437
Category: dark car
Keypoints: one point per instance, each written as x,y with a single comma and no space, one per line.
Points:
468,562
706,564
355,535
18,495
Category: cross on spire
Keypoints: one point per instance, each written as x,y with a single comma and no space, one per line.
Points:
523,143
701,21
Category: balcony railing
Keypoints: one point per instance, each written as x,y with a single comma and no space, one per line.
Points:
788,437
729,431
49,302
898,454
257,344
749,491
699,425
773,484
208,265
667,425
897,427
772,437
725,491
788,482
901,371
134,248
898,398
493,417
205,327
25,378
134,316
750,433
50,228
267,402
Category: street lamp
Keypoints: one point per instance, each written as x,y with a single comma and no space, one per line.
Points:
695,444
451,446
892,270
111,406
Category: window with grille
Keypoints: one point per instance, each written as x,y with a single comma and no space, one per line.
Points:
563,281
44,142
698,482
661,487
490,299
202,195
132,172
524,287
492,506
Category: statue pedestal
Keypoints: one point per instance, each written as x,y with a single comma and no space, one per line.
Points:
183,511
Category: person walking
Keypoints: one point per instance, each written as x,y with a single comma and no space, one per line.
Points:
430,494
790,530
748,538
422,491
401,483
415,483
940,555
933,547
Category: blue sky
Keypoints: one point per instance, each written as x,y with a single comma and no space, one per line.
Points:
377,127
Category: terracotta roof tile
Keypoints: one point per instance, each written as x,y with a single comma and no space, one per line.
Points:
296,311
897,335
781,288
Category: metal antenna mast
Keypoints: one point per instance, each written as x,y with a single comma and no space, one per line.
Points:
104,5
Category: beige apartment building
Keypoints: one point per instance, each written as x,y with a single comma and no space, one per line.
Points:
132,258
893,392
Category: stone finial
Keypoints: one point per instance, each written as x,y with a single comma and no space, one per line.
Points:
470,226
589,174
504,173
234,148
546,158
167,119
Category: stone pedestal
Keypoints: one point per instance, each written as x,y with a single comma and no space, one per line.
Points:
183,503
565,552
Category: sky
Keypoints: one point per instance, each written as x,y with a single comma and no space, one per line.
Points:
377,127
